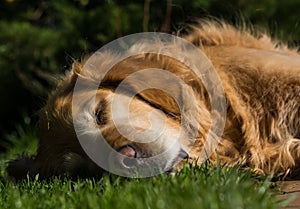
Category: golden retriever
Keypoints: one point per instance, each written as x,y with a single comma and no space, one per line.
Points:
260,78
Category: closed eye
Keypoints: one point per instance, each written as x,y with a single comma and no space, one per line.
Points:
100,113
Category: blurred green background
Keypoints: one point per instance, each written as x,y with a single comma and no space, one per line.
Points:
39,39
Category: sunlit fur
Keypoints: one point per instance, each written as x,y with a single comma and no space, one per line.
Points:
261,80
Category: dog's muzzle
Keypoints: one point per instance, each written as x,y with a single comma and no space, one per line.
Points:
129,157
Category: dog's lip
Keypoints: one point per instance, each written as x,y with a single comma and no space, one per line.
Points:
132,151
133,157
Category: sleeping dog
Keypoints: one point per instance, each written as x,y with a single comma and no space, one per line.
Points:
260,80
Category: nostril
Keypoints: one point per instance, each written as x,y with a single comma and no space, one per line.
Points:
183,154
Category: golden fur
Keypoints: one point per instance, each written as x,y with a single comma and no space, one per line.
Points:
261,80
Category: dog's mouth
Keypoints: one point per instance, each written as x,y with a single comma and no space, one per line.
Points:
131,158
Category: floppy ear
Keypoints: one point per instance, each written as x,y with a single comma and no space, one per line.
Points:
158,79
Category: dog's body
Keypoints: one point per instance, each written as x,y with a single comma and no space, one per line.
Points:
261,81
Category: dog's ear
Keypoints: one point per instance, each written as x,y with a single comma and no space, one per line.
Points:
160,80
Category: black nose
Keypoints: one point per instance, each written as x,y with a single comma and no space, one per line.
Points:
183,154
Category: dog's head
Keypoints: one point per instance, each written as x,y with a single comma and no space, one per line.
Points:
144,112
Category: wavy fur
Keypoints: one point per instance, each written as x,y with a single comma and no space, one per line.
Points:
261,80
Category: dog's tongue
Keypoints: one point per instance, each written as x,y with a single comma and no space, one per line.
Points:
128,151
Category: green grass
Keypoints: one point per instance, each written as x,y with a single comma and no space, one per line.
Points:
198,187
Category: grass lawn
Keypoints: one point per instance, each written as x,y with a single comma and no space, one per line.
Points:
199,187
